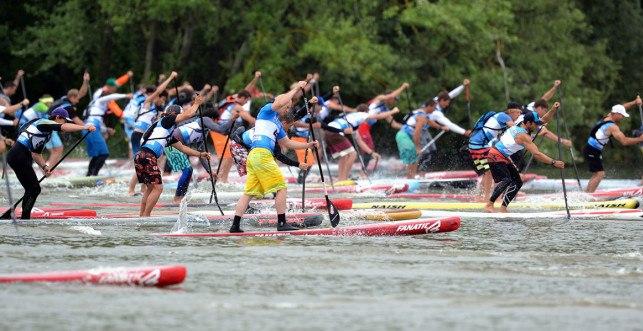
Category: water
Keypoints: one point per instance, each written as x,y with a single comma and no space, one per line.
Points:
530,274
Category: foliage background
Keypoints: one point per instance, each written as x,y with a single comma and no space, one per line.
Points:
368,47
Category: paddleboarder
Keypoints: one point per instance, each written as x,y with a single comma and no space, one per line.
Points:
28,148
408,138
155,139
486,129
264,176
600,135
102,102
504,172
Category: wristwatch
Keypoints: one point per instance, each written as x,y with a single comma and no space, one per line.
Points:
552,162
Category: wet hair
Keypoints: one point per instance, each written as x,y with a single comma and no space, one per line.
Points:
9,84
149,89
288,117
362,107
209,110
443,95
184,98
163,94
514,105
172,109
244,94
541,103
72,93
430,103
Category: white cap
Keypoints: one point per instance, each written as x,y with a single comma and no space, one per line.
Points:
619,109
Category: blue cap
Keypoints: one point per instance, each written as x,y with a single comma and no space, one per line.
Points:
532,116
60,112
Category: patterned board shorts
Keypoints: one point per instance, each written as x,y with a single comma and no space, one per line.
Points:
147,170
177,159
240,156
339,145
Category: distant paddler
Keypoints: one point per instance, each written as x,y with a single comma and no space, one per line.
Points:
600,136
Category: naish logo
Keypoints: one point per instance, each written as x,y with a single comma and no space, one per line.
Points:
388,206
428,227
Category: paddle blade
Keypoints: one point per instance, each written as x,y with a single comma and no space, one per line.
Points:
333,213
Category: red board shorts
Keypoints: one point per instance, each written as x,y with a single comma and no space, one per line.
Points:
339,145
147,170
240,156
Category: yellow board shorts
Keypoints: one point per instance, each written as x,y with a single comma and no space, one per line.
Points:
301,153
219,141
264,176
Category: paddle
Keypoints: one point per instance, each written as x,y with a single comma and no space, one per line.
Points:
432,141
352,141
640,111
467,97
225,145
571,148
333,213
6,181
204,132
7,213
24,96
562,173
323,146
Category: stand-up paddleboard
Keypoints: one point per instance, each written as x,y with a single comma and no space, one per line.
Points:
53,213
597,214
555,184
395,188
401,228
144,276
314,203
394,215
442,196
625,203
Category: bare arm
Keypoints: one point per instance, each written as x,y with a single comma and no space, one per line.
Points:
253,82
631,104
551,113
19,74
384,114
550,93
553,137
395,93
283,99
291,144
13,108
72,127
186,114
620,136
187,150
417,133
40,161
159,89
244,114
525,140
82,91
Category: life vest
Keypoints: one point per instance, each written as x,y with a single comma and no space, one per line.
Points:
32,138
599,130
507,144
156,138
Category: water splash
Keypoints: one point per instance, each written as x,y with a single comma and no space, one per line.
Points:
182,225
86,230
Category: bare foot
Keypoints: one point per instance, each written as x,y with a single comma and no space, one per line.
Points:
489,208
503,209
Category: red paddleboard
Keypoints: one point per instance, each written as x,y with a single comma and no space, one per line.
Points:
470,174
441,196
144,276
618,193
360,189
401,228
315,203
53,213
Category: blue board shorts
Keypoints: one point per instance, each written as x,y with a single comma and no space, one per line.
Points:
96,144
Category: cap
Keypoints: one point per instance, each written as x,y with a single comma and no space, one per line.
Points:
111,82
532,116
46,99
60,112
619,109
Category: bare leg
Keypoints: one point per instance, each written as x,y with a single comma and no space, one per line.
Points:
411,170
486,183
131,190
146,193
596,179
152,198
349,160
242,205
280,201
226,165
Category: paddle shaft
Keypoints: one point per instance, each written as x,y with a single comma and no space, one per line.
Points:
6,181
225,146
562,173
352,141
333,214
24,96
571,148
5,215
432,141
205,147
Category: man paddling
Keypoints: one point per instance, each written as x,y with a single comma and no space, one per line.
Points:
97,110
264,176
486,129
408,138
68,102
155,139
504,172
600,136
28,148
